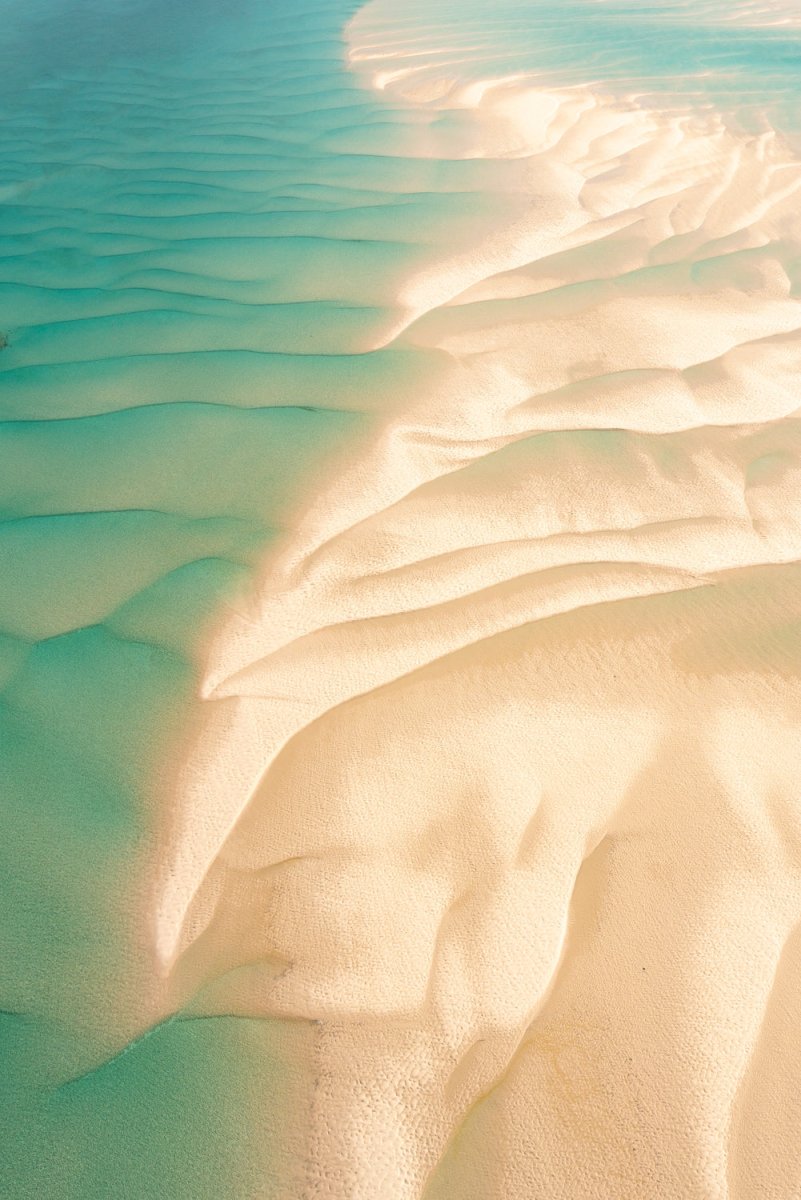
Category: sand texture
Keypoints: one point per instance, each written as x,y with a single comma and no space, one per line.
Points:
401,623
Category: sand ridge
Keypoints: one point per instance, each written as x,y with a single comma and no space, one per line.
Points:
514,710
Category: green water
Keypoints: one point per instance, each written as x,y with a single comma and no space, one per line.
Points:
177,265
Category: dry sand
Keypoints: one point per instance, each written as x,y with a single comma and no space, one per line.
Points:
497,776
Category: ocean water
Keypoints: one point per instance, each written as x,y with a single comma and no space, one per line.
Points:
208,232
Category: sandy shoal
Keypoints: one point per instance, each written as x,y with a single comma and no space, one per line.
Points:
497,775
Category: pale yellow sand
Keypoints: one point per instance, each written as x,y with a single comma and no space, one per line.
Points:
498,777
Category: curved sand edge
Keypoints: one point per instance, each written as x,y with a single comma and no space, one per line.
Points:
539,880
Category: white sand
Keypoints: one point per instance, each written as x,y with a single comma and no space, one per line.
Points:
499,770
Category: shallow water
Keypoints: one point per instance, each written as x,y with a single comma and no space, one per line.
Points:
209,234
198,242
173,229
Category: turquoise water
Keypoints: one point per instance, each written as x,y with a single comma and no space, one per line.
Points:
205,224
174,237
